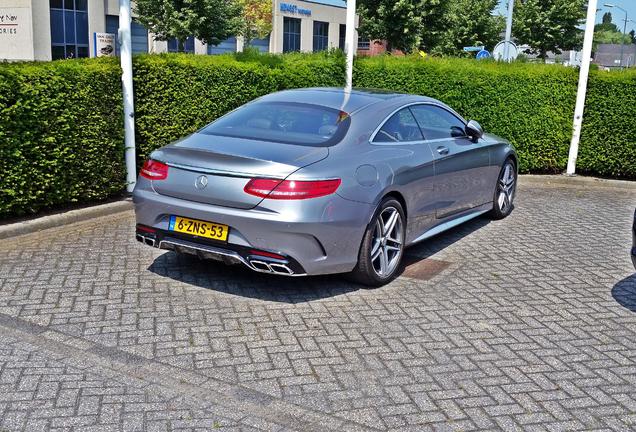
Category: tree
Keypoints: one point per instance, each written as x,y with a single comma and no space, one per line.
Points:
632,34
470,23
607,25
404,24
549,25
608,33
610,37
256,19
211,21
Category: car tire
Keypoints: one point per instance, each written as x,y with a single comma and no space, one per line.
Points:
505,191
382,246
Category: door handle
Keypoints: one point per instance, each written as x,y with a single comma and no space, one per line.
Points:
442,150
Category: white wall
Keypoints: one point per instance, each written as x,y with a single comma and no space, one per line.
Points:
319,12
16,31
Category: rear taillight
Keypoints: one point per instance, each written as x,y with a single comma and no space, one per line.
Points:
291,189
154,170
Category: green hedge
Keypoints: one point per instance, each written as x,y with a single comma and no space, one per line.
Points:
608,141
61,138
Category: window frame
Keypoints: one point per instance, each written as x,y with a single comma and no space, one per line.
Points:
296,35
409,105
75,45
320,39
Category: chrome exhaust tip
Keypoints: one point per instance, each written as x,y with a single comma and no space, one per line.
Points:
139,238
271,267
281,269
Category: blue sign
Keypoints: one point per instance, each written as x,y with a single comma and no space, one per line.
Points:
292,8
483,54
474,49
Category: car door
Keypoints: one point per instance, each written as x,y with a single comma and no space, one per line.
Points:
414,174
461,165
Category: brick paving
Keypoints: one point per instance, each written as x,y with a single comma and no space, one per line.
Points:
523,324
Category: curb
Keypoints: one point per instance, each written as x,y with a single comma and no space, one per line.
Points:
56,220
564,180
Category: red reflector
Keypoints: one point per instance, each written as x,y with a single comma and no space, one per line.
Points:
266,254
146,229
154,170
291,189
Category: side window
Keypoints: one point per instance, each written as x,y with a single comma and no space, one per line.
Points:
437,123
400,127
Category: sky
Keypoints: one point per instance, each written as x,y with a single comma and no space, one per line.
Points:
618,16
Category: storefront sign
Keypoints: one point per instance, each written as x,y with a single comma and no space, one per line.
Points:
16,34
104,44
292,8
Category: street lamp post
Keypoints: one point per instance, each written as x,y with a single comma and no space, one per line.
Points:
511,6
610,5
582,91
125,51
350,41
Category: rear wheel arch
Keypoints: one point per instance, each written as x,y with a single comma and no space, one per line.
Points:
400,198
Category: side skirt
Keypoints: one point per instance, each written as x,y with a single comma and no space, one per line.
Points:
451,224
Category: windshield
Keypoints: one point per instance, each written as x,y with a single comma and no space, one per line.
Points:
284,122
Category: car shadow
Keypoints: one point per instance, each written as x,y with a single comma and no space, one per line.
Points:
624,292
240,281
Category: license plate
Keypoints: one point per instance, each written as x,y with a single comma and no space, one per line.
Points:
199,228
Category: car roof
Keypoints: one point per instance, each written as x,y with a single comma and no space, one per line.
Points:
338,98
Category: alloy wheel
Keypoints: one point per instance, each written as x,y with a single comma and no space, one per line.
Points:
387,243
506,188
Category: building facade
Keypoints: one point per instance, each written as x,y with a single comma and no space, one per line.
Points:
55,29
609,55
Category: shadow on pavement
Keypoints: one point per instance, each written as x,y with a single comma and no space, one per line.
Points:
240,281
624,293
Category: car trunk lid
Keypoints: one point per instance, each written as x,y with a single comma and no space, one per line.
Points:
214,170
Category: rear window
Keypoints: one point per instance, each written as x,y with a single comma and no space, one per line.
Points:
284,122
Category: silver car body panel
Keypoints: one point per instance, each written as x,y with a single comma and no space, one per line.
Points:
324,234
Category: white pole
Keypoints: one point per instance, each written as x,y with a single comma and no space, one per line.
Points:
580,96
350,42
511,7
125,51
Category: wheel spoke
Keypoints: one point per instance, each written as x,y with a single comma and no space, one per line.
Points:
391,222
385,260
376,251
502,200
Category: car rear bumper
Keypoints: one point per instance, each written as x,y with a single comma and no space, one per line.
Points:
318,236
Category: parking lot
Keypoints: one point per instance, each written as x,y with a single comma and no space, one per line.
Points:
523,324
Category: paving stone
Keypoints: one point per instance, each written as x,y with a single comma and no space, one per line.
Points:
523,324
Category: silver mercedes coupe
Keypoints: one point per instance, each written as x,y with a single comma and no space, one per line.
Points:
323,180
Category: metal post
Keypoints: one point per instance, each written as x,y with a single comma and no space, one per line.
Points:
350,42
125,50
582,91
511,6
623,39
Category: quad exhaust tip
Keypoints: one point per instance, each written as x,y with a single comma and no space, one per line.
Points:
270,267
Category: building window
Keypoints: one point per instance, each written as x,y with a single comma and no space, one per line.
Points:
321,35
69,28
227,46
341,37
291,34
188,46
364,44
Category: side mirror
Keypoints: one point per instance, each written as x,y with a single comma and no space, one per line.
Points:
474,130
